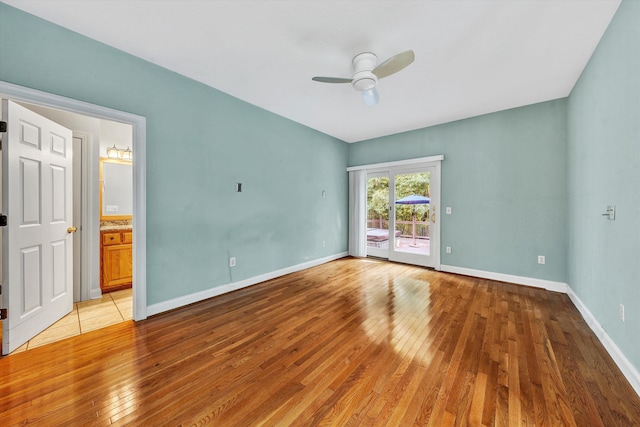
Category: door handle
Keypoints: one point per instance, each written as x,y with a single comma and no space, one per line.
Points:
72,230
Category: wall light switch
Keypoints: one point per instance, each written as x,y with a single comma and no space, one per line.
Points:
448,210
239,187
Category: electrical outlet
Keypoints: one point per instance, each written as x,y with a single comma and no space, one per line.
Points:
324,243
232,261
448,249
541,259
622,312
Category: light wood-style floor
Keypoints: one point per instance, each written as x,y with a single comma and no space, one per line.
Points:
352,342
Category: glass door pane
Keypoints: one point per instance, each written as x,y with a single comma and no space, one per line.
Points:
378,215
413,213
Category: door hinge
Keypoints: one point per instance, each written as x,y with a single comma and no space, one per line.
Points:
3,127
3,313
3,220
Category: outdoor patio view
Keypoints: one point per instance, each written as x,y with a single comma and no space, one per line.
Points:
412,213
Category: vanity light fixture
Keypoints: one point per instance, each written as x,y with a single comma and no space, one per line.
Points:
127,154
118,153
113,152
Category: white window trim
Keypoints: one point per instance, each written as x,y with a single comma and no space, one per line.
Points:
397,164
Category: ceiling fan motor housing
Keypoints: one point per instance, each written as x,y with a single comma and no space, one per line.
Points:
363,77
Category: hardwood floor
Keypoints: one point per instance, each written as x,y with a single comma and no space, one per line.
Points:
351,342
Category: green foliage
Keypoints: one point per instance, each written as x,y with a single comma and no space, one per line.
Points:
378,197
406,185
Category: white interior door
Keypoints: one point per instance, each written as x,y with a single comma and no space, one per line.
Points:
37,251
414,219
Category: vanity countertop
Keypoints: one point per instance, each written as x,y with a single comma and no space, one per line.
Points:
115,227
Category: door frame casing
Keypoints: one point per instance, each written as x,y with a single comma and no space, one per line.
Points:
92,235
89,253
392,167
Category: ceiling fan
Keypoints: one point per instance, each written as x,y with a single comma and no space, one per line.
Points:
366,73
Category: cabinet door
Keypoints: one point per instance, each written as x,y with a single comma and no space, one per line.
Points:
117,269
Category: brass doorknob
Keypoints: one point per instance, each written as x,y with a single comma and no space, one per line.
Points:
72,230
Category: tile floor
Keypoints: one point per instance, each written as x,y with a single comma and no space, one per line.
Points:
86,316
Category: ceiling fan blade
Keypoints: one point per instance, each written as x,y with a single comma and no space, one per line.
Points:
331,80
394,64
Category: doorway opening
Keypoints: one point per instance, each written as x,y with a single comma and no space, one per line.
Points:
401,216
90,273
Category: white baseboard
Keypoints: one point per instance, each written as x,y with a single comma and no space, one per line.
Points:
229,287
519,280
629,371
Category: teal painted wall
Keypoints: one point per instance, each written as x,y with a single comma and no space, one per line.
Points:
200,142
504,176
604,169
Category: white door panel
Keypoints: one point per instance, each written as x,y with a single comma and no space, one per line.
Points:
37,248
407,248
31,281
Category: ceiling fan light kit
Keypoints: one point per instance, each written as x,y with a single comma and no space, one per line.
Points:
366,73
370,96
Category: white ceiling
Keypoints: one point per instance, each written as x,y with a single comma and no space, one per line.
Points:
472,56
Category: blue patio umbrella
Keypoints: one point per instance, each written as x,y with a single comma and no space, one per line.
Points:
413,199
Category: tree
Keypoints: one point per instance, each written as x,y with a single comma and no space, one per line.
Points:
406,185
378,198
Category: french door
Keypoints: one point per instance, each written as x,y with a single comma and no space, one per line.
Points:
403,215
